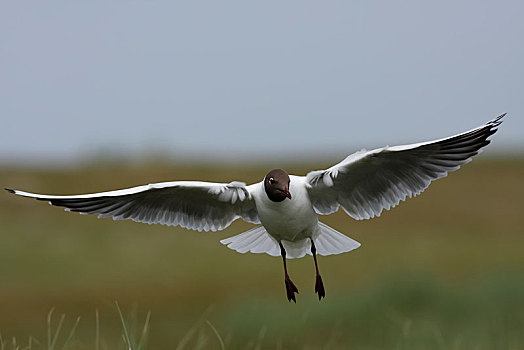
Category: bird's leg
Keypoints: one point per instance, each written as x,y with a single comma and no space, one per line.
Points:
319,286
290,286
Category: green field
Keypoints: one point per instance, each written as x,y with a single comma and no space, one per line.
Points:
441,271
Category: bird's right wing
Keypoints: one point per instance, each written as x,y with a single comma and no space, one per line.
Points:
191,204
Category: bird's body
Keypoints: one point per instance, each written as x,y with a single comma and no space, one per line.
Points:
290,220
287,206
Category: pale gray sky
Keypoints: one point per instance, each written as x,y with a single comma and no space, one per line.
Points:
245,79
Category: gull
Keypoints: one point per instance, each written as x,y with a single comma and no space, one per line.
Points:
287,206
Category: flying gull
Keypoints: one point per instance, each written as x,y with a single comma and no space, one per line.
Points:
287,206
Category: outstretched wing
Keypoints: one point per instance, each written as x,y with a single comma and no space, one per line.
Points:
366,182
190,204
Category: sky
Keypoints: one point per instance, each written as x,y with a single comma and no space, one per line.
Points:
240,80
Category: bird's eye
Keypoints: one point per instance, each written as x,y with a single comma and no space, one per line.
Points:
271,181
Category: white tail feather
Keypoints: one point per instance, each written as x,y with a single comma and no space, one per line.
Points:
328,241
256,240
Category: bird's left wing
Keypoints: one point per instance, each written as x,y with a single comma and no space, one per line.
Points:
191,204
367,182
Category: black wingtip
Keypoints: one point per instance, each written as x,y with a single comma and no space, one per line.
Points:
498,120
494,124
9,190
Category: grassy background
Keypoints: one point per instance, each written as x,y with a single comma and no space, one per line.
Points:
442,271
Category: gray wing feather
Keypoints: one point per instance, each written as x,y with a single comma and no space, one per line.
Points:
190,204
366,182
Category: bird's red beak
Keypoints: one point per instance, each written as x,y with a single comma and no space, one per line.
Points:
286,192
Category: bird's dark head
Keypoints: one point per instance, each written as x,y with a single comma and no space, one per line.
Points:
276,184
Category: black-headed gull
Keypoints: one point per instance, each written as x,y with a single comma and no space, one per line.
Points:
286,206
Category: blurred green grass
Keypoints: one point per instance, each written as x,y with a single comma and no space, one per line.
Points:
441,271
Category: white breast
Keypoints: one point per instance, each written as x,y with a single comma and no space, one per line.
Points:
292,219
